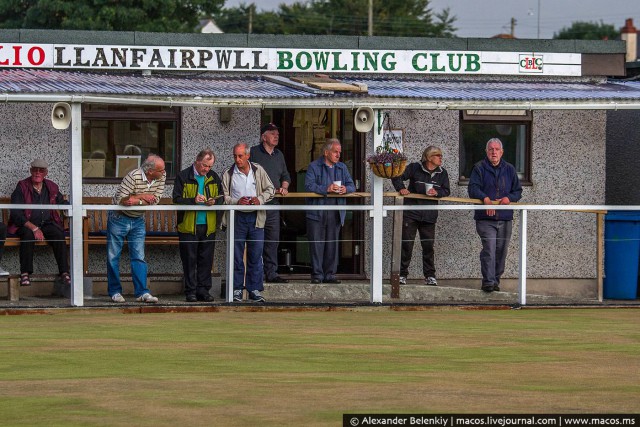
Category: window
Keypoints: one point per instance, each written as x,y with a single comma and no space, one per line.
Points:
512,127
116,138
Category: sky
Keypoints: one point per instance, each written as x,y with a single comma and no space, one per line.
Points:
486,18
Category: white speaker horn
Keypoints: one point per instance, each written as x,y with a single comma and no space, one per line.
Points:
364,119
61,115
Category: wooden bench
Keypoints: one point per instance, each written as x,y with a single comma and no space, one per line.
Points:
161,226
13,281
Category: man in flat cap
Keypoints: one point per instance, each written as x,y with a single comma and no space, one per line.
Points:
33,225
272,160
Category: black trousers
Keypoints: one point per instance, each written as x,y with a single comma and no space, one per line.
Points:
271,242
196,253
54,236
3,236
427,231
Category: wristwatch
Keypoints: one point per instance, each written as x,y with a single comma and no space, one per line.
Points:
140,202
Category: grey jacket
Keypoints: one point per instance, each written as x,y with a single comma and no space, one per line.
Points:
264,190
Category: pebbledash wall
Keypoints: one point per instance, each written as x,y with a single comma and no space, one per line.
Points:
568,166
568,154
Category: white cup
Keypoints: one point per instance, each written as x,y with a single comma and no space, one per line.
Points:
427,187
338,183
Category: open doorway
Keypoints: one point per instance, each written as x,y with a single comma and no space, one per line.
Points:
303,132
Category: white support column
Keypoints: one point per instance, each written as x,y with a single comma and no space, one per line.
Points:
522,282
230,253
377,190
77,280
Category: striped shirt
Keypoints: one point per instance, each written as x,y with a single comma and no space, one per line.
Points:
136,183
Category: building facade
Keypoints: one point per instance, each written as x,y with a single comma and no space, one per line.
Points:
175,94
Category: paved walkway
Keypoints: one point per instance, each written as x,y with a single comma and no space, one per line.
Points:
304,296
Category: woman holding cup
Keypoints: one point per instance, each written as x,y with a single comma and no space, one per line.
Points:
426,177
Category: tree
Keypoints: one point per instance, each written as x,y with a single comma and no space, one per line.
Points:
108,15
343,17
581,30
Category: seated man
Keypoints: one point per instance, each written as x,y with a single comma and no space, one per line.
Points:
32,225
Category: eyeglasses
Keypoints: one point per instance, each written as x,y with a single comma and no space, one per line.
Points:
204,165
39,170
436,155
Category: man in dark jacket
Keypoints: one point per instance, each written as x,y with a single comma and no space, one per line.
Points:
197,185
39,224
272,160
493,179
430,178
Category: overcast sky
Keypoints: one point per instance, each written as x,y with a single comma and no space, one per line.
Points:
486,18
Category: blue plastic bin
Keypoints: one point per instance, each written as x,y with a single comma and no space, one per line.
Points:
622,254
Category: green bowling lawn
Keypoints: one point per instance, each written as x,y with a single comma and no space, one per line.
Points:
308,368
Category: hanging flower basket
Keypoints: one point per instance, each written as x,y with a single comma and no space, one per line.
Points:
388,161
389,169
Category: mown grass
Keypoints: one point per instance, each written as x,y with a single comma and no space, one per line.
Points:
308,368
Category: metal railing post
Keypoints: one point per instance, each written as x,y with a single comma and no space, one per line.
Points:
230,253
77,275
522,280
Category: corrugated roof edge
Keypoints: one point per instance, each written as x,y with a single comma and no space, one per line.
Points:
309,41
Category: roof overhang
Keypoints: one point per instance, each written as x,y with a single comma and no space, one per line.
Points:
20,85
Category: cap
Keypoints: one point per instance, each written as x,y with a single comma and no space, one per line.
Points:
40,163
268,127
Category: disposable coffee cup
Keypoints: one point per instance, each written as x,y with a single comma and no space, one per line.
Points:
427,187
338,183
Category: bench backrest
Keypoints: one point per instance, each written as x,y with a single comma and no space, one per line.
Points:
156,221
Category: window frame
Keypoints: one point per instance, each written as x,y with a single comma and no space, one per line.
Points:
175,115
525,119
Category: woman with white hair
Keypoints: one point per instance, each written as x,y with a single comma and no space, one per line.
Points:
429,178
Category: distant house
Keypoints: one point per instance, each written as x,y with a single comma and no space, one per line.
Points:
208,26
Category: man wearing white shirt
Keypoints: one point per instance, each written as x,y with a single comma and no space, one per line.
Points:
247,184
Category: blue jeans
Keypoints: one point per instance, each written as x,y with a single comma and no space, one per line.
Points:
120,227
249,236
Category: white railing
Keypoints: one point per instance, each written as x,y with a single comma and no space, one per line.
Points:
377,213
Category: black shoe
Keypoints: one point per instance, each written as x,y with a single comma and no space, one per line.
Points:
205,298
278,279
333,281
316,281
496,288
487,288
191,298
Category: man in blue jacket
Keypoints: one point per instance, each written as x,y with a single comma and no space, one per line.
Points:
326,175
493,179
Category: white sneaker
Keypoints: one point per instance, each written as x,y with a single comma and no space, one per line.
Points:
147,298
431,281
403,280
117,298
3,272
237,295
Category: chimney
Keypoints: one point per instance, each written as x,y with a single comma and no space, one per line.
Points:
629,33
